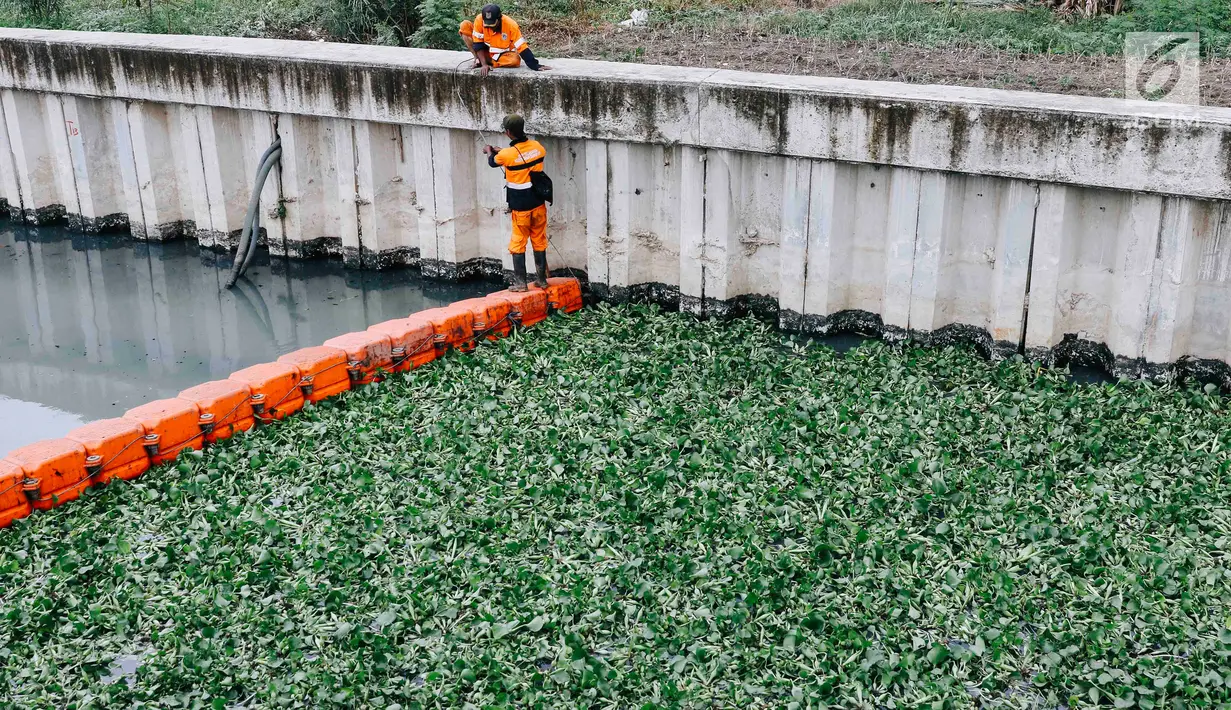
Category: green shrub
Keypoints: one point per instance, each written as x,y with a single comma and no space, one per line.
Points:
41,9
1206,16
380,21
438,21
1212,18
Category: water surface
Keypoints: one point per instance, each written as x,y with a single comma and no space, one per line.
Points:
91,326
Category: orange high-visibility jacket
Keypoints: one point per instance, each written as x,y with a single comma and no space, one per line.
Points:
522,157
506,38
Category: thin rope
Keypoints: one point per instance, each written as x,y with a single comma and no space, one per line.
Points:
300,383
19,482
118,454
457,87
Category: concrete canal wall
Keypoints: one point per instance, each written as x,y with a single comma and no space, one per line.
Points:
1063,227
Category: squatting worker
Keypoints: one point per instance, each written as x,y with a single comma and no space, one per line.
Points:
523,157
496,41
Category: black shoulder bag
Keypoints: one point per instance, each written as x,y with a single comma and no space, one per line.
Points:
540,182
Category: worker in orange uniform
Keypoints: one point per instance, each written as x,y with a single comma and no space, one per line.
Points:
520,161
496,41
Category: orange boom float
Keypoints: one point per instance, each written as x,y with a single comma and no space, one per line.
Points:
322,371
115,447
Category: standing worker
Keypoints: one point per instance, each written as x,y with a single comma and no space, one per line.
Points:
496,41
523,158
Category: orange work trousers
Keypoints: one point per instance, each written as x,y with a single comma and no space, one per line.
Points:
529,225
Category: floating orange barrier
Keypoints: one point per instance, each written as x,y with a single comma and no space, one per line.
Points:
528,307
275,389
55,471
225,407
322,371
564,293
14,504
453,326
491,316
48,473
412,341
114,449
368,354
171,426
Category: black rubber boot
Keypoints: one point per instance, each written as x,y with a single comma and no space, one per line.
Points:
519,273
540,269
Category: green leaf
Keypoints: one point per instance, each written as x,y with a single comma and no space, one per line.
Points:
937,654
384,618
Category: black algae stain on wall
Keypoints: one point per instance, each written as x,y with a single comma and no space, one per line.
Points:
1011,134
959,133
1155,138
888,125
890,129
193,74
840,109
90,65
1225,152
16,57
1112,137
765,109
405,93
591,106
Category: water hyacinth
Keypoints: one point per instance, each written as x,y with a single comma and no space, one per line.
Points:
626,508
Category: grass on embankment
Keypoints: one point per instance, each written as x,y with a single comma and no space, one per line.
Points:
632,509
926,24
931,24
334,20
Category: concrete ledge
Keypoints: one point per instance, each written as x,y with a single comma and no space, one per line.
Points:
1110,143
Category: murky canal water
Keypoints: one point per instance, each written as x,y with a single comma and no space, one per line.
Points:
90,327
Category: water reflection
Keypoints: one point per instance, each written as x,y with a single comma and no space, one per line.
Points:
93,326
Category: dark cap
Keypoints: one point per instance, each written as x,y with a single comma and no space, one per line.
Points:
514,124
492,15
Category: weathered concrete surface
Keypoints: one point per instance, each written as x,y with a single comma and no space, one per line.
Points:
1112,143
1070,228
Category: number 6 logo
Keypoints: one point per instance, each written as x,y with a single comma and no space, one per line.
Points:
1163,66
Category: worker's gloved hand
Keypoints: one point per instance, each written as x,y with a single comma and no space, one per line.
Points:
488,150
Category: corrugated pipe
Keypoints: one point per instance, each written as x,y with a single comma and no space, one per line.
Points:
252,220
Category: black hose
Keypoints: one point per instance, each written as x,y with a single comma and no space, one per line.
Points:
250,234
248,237
255,231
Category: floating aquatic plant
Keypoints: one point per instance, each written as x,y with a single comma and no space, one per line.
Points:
626,508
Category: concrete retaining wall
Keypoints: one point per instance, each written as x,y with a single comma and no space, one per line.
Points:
1063,227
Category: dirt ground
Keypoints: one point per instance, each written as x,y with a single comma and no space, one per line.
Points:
780,54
